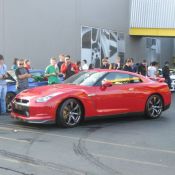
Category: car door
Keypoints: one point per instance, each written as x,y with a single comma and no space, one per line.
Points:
115,99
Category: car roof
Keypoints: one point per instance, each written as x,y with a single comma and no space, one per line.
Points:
119,71
110,70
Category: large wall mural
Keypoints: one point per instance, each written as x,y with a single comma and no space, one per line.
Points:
98,43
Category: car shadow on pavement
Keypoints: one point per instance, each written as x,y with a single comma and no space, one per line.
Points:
94,122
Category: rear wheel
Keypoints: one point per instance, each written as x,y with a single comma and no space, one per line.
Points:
70,113
9,97
154,107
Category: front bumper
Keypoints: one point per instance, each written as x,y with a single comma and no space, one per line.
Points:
33,119
31,112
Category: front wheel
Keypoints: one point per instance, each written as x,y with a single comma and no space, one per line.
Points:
154,107
69,114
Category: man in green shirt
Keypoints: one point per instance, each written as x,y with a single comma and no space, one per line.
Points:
52,72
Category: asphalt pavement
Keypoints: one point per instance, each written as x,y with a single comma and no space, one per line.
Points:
127,145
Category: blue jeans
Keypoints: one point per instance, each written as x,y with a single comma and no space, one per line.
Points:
3,92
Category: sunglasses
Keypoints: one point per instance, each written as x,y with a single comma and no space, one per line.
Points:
21,64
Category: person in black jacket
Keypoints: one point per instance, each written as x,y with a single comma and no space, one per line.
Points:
128,65
105,63
142,68
166,73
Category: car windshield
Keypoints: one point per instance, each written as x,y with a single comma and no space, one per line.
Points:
85,78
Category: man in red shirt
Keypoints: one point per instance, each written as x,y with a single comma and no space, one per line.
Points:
68,68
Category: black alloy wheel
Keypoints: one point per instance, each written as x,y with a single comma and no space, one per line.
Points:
154,107
9,97
70,113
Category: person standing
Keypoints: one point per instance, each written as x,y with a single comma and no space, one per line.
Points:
61,61
78,65
105,63
14,66
85,65
22,75
166,73
128,65
52,72
91,66
27,64
118,64
68,68
142,68
3,85
152,70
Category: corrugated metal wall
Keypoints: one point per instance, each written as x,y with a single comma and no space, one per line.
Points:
152,14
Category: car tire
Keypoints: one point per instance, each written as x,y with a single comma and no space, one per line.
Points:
154,107
9,97
69,113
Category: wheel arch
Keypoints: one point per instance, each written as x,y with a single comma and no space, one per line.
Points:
11,92
75,98
158,95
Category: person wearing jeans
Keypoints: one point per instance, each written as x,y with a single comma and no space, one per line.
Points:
3,85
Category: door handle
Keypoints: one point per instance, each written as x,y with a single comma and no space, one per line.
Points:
131,89
91,95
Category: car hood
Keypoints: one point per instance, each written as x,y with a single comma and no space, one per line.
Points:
49,90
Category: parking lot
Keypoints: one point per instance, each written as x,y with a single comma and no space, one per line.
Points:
128,145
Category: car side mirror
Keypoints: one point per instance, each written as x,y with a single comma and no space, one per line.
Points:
106,84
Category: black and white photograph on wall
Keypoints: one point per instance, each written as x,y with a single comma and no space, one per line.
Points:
86,35
96,47
113,46
99,43
104,38
121,46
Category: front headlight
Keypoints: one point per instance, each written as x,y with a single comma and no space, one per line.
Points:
43,99
47,98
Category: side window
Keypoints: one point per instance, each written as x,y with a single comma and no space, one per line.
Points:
135,79
121,78
117,78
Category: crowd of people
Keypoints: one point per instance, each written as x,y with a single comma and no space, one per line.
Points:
65,67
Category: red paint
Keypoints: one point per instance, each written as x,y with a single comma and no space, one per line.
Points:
97,100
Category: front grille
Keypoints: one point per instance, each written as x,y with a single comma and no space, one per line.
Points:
20,106
21,100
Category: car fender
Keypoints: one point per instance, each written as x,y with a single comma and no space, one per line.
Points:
82,96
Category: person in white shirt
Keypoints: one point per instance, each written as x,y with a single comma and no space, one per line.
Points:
152,70
85,65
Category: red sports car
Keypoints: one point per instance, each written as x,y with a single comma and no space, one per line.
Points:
92,93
